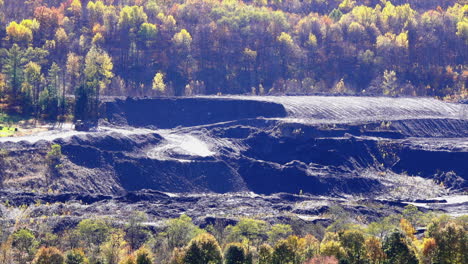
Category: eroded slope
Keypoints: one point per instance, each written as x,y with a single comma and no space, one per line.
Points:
391,148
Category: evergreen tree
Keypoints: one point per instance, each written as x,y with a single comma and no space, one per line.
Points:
398,251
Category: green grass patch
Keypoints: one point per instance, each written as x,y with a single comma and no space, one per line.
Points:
6,122
7,131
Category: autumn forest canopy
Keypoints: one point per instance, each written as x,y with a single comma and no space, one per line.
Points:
55,52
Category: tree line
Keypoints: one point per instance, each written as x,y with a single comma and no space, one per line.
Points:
56,52
393,239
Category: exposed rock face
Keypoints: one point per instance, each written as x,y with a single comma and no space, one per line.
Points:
376,147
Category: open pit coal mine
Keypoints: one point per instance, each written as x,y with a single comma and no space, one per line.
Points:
278,158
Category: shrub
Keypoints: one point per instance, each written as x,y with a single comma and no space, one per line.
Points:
374,250
203,249
323,260
55,154
129,259
265,253
279,231
53,158
283,253
251,230
25,241
397,250
178,256
180,231
49,255
93,231
235,254
76,256
353,243
452,243
332,248
143,256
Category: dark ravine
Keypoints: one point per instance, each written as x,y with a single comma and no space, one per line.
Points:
319,146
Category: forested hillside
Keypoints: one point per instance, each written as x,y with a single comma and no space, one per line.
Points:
393,239
52,48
